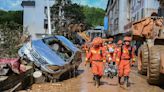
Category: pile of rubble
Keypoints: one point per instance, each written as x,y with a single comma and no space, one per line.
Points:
10,35
12,72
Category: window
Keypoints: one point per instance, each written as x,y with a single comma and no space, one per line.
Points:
111,2
134,18
142,13
45,24
137,16
45,12
139,1
45,9
134,2
116,24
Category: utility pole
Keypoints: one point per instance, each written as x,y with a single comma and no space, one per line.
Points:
49,18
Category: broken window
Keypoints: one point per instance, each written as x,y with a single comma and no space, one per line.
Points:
60,49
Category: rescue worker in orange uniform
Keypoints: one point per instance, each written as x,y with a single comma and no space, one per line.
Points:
110,47
96,54
86,47
116,50
105,48
126,54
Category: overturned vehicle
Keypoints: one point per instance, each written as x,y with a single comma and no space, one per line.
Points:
52,57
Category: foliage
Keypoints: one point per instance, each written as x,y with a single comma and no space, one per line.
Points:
7,16
10,34
75,12
84,14
93,16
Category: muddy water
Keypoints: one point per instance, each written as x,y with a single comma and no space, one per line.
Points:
83,83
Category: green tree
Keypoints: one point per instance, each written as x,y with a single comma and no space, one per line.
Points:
7,16
93,16
75,12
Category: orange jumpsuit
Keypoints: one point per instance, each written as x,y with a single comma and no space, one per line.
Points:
124,64
110,54
105,52
116,58
97,58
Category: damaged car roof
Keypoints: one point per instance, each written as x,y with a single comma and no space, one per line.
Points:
49,55
68,43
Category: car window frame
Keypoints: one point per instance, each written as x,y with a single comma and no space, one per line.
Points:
72,52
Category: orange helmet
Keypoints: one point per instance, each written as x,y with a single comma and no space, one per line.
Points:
119,42
97,41
100,40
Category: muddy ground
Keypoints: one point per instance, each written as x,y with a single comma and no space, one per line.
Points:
84,83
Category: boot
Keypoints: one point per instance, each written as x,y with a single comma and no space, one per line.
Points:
124,79
124,83
99,77
94,80
119,80
127,81
97,81
93,77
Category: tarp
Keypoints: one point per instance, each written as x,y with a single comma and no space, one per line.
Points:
14,64
106,23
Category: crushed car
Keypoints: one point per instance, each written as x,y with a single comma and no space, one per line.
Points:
52,55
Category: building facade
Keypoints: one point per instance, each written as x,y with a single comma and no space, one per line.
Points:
35,19
122,13
112,12
161,8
